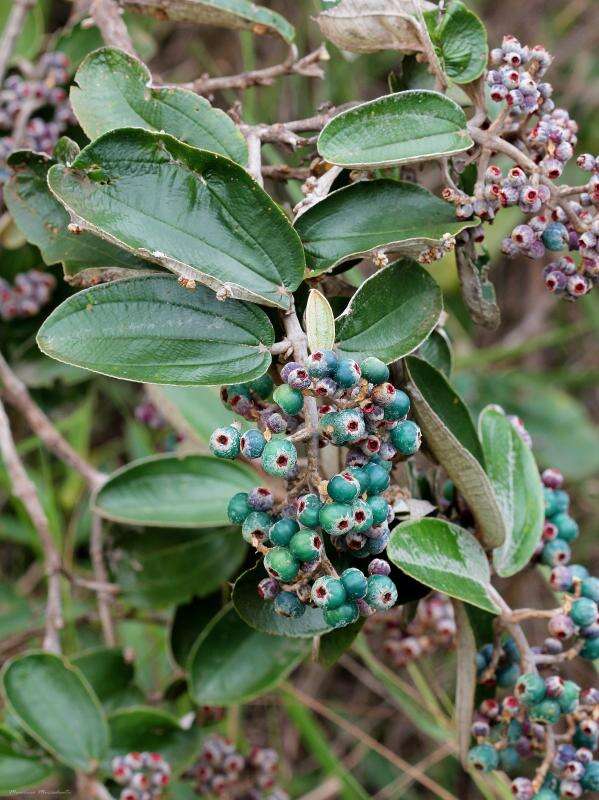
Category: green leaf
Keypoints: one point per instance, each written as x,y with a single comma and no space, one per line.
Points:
158,568
437,351
445,557
334,644
19,770
514,475
193,212
141,728
398,128
359,219
232,663
236,14
43,221
172,492
66,150
189,621
153,330
260,614
451,437
54,704
461,40
107,671
31,34
391,314
114,90
319,322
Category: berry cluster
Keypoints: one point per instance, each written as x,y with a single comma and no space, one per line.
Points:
223,771
144,776
514,77
148,414
30,292
41,93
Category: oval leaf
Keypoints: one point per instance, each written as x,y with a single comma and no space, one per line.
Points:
189,620
193,212
172,492
514,475
445,557
461,40
159,568
391,314
232,663
359,219
437,351
43,221
451,437
153,330
395,129
19,770
466,679
55,705
319,322
106,670
114,91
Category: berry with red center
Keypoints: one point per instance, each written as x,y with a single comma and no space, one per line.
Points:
322,363
383,394
348,373
225,442
252,443
344,487
281,564
348,426
256,526
561,627
381,593
305,545
362,515
261,499
299,378
279,458
398,408
336,518
328,592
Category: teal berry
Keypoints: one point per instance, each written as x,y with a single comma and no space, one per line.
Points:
590,779
578,572
547,712
341,616
381,593
583,612
378,478
354,582
348,426
508,676
406,437
589,587
289,399
336,518
225,442
545,794
379,507
374,370
308,508
281,532
555,553
256,526
562,500
252,443
551,505
362,477
362,514
483,758
348,373
228,393
305,545
279,457
530,689
514,731
568,699
344,487
280,564
328,592
509,759
555,236
398,407
322,364
262,386
288,604
238,508
567,528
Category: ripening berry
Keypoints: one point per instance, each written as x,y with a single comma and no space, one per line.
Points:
507,676
379,507
299,378
567,528
348,373
362,514
129,794
570,789
406,437
589,587
262,386
398,408
379,566
281,532
522,788
225,442
342,615
252,443
322,363
361,475
374,370
261,499
280,564
328,592
336,518
308,509
523,236
344,487
268,589
256,527
378,479
348,426
238,508
561,626
547,712
569,698
381,593
583,612
279,457
383,394
287,604
555,236
556,552
305,545
289,399
530,689
483,757
354,582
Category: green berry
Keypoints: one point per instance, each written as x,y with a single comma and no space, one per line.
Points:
328,592
336,518
483,757
362,514
279,457
341,616
348,426
344,487
578,572
225,442
288,604
262,386
374,370
281,532
562,500
362,476
550,501
583,612
546,712
238,508
509,758
406,437
530,689
555,553
555,236
308,507
256,526
545,794
235,390
590,779
567,528
381,593
305,545
280,564
398,407
289,399
348,373
590,651
355,583
252,443
378,478
508,676
589,587
379,507
568,699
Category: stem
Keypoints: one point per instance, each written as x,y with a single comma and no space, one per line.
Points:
109,20
255,157
101,576
14,26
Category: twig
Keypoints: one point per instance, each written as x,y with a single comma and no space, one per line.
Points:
281,347
255,157
283,172
318,191
24,489
284,132
101,575
18,396
108,18
12,29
